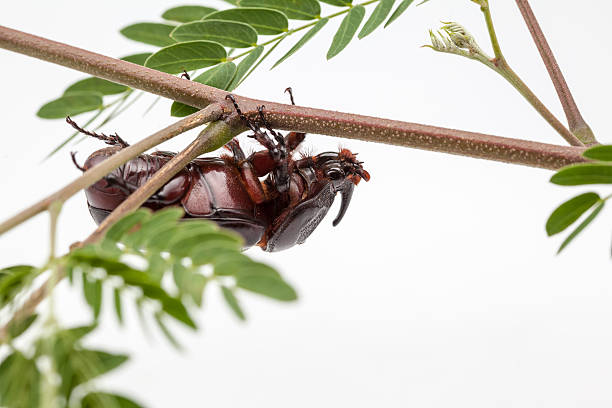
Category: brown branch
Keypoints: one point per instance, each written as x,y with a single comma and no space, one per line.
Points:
94,174
576,122
294,117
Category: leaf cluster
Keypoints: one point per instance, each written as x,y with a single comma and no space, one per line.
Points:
29,378
597,171
142,248
229,43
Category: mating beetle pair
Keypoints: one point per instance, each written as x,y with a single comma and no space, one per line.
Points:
275,214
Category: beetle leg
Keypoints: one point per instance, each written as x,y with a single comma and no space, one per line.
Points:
78,166
113,140
248,173
289,90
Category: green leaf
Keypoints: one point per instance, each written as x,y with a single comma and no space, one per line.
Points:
118,307
263,58
93,295
164,329
265,21
244,66
138,59
293,9
229,33
96,85
568,212
582,226
106,400
185,14
339,3
149,33
13,280
583,173
218,77
70,105
17,328
398,11
347,30
127,223
160,221
268,286
187,56
232,302
179,110
19,382
311,33
379,14
601,152
185,245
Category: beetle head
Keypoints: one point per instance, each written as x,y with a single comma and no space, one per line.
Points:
344,171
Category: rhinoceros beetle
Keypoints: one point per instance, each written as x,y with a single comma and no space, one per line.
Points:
275,213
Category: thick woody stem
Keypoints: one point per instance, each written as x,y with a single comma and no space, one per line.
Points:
94,174
576,122
294,117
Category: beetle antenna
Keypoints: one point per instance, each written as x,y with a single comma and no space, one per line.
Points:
246,120
113,140
185,75
74,160
290,91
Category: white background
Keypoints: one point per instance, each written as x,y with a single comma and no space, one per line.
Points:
439,288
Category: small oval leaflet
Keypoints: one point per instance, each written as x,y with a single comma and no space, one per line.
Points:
293,9
185,14
568,212
149,33
70,105
187,56
265,21
233,34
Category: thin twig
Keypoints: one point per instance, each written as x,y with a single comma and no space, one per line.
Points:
94,174
211,138
297,118
576,122
501,66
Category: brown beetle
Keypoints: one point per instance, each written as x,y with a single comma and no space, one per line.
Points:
276,213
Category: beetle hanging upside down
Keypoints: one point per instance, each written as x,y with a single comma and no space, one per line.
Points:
276,213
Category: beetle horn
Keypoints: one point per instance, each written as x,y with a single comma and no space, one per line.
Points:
347,193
